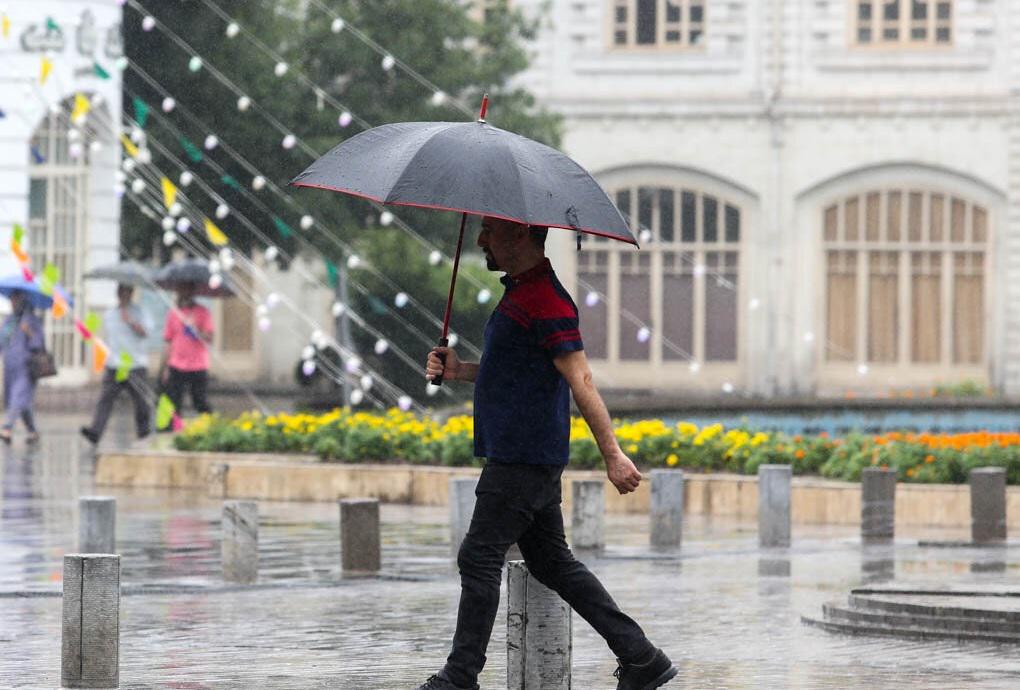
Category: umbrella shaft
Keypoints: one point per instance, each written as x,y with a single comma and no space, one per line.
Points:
453,280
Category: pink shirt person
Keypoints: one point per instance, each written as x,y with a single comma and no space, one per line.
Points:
188,352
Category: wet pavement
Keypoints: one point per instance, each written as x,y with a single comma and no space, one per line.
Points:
726,611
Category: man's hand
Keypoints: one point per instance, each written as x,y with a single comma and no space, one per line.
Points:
434,366
622,473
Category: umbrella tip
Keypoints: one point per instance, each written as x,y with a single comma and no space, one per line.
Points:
484,109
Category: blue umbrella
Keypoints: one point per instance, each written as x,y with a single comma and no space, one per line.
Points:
36,299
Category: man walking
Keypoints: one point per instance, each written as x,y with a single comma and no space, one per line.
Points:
126,327
533,359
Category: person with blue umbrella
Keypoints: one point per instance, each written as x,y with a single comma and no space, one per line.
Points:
21,334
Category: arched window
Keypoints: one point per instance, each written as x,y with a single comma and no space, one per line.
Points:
59,195
682,285
905,278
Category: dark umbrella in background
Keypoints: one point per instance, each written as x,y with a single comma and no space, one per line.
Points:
194,271
124,273
469,167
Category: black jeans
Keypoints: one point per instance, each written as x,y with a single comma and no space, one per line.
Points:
521,503
196,381
135,385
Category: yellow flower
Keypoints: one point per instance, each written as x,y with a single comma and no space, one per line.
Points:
672,459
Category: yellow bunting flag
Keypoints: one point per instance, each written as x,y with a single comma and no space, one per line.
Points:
169,192
59,306
44,69
129,146
6,25
82,106
99,354
19,253
214,234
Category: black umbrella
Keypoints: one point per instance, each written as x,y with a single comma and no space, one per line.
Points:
194,271
470,167
124,273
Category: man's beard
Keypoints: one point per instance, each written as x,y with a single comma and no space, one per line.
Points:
490,262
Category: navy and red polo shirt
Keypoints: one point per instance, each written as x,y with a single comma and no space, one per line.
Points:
522,402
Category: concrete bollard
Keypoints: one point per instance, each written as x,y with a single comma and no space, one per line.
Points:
360,544
667,514
588,514
878,505
988,505
538,636
239,546
462,507
97,524
774,505
90,634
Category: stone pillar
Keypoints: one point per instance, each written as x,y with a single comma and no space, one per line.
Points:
239,546
988,505
878,505
774,505
360,549
667,513
588,514
90,634
462,507
97,524
538,636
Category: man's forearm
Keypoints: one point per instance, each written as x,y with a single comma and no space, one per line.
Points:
594,411
467,371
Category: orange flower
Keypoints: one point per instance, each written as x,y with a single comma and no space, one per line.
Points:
911,472
929,459
799,454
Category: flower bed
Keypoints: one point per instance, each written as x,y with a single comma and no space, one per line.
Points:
342,435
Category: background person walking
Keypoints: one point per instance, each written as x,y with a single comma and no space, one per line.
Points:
20,334
533,359
188,331
126,328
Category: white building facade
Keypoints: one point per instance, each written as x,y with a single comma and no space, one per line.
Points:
59,151
828,190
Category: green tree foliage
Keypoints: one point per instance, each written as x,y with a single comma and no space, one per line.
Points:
438,38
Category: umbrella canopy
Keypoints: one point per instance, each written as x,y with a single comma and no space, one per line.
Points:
124,273
471,167
36,299
194,271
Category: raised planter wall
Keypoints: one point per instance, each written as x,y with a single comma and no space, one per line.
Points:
303,478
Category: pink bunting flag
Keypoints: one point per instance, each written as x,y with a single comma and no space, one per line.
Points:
27,272
176,423
86,334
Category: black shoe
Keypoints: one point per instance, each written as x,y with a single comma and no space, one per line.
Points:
92,437
437,683
648,676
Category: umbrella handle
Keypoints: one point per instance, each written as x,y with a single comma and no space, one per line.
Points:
443,342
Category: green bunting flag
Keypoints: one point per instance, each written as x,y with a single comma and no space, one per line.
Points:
284,229
98,70
164,412
231,182
18,234
124,367
377,305
194,153
49,279
93,322
334,276
51,25
141,112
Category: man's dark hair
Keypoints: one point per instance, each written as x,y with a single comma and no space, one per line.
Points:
538,234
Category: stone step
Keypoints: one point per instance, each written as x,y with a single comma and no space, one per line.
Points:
840,614
980,608
908,632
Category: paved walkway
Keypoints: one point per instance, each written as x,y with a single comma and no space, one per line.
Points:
727,612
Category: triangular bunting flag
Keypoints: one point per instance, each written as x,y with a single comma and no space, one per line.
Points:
5,26
82,106
164,412
98,70
37,155
231,182
169,192
59,305
27,273
129,145
45,67
52,273
99,354
284,229
334,276
194,153
85,333
18,233
176,423
19,253
214,234
93,322
52,26
141,111
124,367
